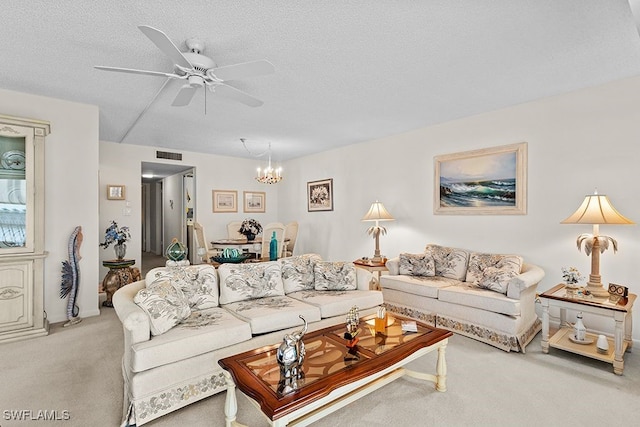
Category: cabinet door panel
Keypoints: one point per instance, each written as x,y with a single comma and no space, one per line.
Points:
15,295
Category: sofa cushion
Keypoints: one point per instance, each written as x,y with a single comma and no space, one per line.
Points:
483,299
449,262
270,314
203,331
492,271
417,285
338,303
416,265
334,276
164,303
240,282
199,283
297,272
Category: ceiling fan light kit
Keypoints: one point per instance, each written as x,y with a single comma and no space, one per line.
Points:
198,70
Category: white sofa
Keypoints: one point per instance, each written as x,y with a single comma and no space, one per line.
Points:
488,297
172,347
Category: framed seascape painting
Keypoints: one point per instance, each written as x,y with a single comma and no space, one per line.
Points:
490,181
254,201
225,201
320,195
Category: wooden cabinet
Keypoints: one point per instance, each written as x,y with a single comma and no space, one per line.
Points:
22,228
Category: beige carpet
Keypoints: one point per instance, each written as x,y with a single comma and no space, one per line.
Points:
77,369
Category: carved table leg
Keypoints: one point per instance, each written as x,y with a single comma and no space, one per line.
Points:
441,368
545,326
230,403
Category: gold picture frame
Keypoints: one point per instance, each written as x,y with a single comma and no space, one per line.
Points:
489,181
225,201
115,192
254,201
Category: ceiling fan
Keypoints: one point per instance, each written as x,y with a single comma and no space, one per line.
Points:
197,71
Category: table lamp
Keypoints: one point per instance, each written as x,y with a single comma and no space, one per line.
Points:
377,213
596,209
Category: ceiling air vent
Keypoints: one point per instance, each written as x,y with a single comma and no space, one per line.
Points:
167,155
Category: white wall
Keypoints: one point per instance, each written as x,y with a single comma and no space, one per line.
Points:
71,159
576,142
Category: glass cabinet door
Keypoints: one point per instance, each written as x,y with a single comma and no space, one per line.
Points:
16,189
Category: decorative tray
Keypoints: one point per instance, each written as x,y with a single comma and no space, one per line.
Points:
231,260
587,341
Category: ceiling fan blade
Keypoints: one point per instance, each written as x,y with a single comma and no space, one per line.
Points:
165,44
184,96
132,71
243,70
145,109
230,92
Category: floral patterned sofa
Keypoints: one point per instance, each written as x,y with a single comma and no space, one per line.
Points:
488,297
180,320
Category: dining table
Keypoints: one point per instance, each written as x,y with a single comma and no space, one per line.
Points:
243,245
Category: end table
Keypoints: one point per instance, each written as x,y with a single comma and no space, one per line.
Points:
373,267
120,273
620,311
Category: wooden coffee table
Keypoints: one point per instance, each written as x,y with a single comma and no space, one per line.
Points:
334,375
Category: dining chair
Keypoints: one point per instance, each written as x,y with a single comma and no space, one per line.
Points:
201,240
232,230
291,234
267,231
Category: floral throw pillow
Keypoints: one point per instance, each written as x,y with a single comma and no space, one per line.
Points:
297,272
450,262
165,304
416,265
199,283
239,282
334,276
493,272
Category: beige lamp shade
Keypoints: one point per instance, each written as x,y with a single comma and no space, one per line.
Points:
377,212
596,209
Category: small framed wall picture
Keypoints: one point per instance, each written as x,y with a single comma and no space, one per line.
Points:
115,192
320,195
225,201
254,201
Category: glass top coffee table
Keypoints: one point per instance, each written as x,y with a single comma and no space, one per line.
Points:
333,374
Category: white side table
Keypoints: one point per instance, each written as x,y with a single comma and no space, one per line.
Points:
620,311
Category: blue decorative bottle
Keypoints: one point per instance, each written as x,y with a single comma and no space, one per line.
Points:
273,247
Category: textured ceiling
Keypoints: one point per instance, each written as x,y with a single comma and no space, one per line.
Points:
346,71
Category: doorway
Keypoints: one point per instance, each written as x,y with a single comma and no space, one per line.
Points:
168,200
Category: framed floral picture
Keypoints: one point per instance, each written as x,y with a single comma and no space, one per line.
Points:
490,181
254,201
320,195
225,201
115,192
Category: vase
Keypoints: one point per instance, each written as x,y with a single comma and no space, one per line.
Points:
176,251
120,250
250,236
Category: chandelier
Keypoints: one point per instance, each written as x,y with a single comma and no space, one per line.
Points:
268,175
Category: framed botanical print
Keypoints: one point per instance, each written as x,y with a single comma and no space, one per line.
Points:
225,201
254,201
320,195
490,181
115,192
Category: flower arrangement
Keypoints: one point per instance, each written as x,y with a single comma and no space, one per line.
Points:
571,275
116,235
250,226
